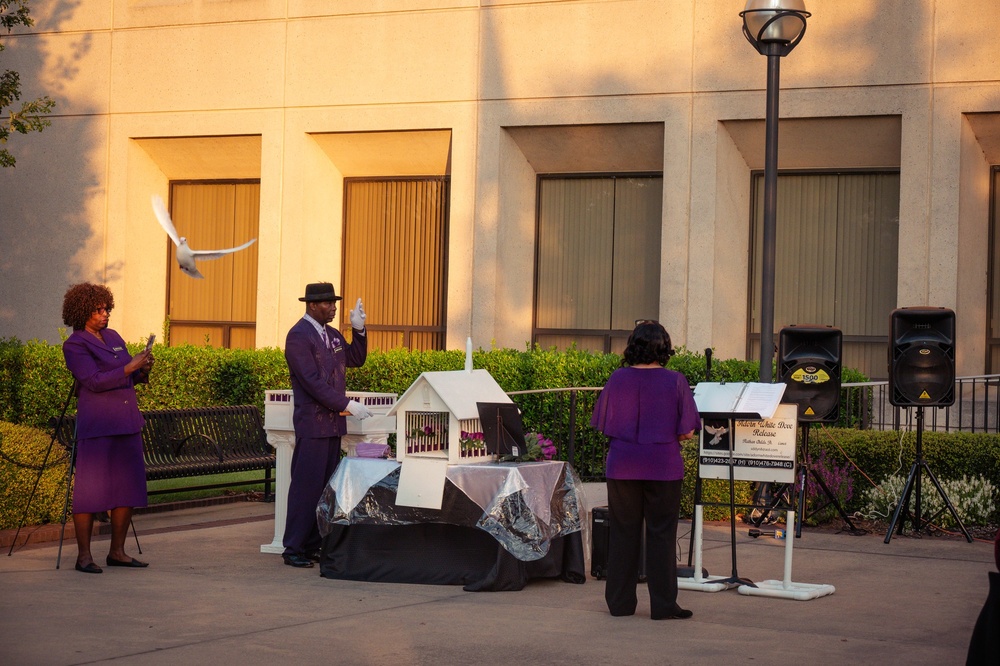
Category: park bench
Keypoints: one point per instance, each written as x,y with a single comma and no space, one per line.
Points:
179,443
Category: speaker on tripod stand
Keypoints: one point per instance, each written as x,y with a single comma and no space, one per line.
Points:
809,365
921,374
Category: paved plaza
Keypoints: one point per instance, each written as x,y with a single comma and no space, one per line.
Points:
210,596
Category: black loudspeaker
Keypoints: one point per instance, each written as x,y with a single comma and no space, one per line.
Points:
922,357
809,365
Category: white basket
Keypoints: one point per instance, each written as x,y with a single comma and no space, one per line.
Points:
279,405
379,405
278,409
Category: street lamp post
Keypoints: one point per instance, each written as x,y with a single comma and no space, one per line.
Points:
774,28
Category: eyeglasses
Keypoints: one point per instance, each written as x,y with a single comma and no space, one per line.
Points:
640,322
102,311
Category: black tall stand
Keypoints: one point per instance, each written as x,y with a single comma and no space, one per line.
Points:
41,470
734,580
804,470
697,473
913,482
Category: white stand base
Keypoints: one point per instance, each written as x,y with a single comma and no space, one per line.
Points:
783,590
786,589
698,582
284,445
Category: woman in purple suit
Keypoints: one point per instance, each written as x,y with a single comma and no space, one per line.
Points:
110,472
645,411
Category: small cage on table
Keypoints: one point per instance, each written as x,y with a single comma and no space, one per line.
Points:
438,416
426,432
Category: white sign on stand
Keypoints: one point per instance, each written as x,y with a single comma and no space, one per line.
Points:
748,435
763,450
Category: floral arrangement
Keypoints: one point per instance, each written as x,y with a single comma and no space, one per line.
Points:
471,440
427,431
539,448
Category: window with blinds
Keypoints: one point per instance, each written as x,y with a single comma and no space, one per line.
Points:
836,256
993,279
597,262
395,259
220,310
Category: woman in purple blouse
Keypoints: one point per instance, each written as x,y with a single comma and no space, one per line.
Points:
110,471
645,411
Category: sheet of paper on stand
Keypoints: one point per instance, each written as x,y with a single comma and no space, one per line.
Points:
738,399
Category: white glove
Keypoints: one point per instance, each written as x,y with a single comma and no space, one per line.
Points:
358,317
357,410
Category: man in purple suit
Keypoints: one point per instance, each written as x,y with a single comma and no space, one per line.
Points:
317,357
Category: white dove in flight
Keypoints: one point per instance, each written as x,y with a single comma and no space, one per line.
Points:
185,255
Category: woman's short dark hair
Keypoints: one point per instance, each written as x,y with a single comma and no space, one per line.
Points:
82,300
649,343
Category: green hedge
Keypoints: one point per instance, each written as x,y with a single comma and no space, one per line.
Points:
22,452
873,455
34,383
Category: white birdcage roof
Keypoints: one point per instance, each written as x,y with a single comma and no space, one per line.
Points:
460,390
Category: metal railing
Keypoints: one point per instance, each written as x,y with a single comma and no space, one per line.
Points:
563,415
977,403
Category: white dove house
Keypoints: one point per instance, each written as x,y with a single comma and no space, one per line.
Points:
514,171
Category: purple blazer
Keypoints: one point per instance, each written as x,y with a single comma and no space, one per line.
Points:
318,378
106,402
643,411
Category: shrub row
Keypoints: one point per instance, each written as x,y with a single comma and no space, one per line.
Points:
34,384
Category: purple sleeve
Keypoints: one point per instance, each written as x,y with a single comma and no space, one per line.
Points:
688,417
86,371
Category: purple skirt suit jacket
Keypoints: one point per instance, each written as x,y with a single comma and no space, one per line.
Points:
106,402
110,471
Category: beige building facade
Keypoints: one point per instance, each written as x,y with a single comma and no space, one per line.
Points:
305,95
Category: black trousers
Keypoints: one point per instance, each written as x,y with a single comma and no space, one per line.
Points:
629,503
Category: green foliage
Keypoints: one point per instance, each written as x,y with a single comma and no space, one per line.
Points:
11,372
973,500
45,384
22,453
30,117
34,384
713,491
876,454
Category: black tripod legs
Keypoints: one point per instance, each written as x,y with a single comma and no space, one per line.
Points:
913,486
913,481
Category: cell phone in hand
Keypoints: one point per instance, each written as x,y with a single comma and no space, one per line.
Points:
150,341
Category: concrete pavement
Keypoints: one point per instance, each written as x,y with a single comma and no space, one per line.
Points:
210,596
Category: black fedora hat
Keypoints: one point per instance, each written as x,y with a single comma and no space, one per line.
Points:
320,292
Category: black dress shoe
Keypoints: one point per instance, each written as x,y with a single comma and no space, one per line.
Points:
679,614
90,568
315,555
296,560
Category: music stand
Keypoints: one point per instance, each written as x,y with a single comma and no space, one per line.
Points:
729,403
503,431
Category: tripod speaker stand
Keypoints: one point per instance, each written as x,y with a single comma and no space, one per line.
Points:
912,487
805,469
921,374
809,365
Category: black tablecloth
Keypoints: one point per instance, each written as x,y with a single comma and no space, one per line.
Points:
442,554
450,546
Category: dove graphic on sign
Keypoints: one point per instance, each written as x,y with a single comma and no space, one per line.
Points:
186,257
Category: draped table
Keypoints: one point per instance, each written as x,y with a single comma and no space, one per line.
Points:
499,526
